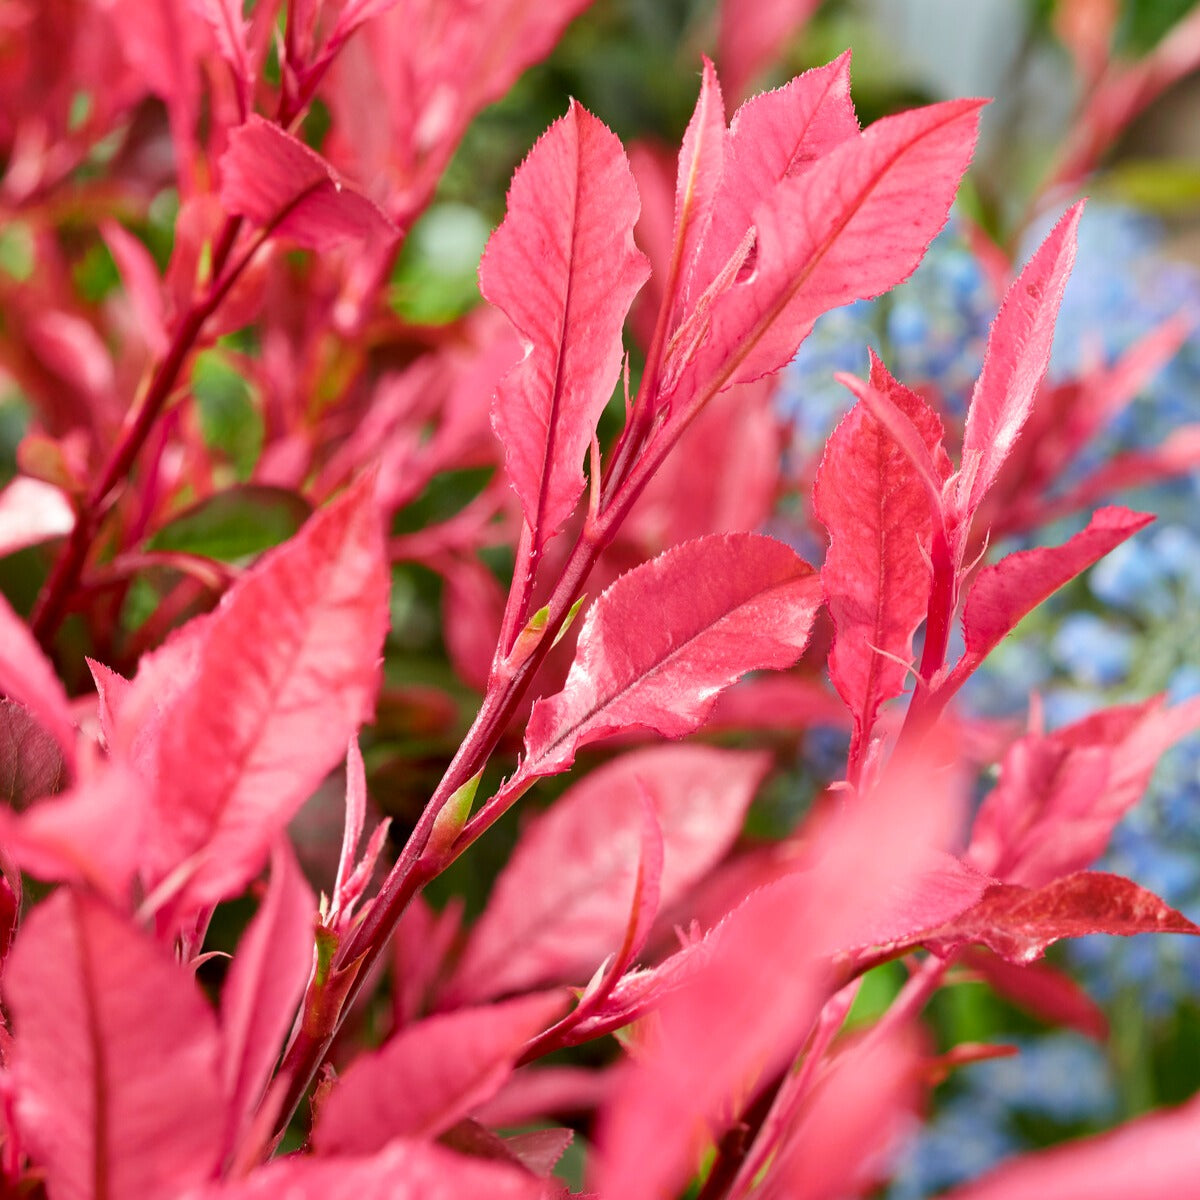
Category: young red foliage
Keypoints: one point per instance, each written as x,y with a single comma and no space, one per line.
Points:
745,1012
662,642
1006,591
825,237
116,1056
1060,795
1018,353
564,269
274,180
563,899
402,1170
1018,923
876,577
286,672
27,678
92,835
265,982
1157,1155
449,1063
772,137
842,1140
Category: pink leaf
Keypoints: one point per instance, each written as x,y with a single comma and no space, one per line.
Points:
871,499
449,1064
32,511
563,899
752,35
265,983
668,637
829,236
1004,592
402,1170
115,1057
775,136
278,183
744,1014
92,835
142,283
27,677
229,30
564,269
133,712
1158,1155
1018,923
701,167
1045,991
540,1149
937,888
851,1125
287,673
1060,795
31,764
721,477
1018,353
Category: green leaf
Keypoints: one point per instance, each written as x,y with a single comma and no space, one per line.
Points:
229,420
235,524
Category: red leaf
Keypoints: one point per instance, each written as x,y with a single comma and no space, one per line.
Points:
564,269
115,1057
27,677
876,578
830,235
850,1125
142,282
747,1010
668,637
92,835
721,477
133,712
278,183
937,888
1060,795
1018,923
562,901
229,30
31,764
32,511
265,983
1158,1155
702,158
753,33
1006,591
775,136
449,1064
402,1170
285,676
1018,353
1043,990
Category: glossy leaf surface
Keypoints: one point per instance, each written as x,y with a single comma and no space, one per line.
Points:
116,1067
564,269
562,901
661,643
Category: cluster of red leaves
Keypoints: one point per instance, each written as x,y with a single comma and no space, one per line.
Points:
166,786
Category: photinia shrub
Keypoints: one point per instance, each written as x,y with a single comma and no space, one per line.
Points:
236,446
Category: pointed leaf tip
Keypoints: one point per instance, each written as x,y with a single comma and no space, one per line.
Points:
563,268
1015,363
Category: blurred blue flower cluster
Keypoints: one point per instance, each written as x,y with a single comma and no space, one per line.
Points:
1061,1080
1130,630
